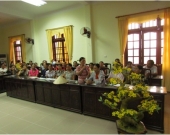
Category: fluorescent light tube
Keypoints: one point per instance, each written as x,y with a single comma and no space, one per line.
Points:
35,2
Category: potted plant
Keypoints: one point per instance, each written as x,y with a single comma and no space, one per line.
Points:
130,102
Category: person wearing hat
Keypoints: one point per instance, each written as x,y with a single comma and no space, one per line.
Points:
82,71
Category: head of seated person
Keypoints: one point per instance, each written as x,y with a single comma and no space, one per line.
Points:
59,67
23,71
91,65
97,77
69,67
150,63
129,64
101,64
50,67
75,64
138,69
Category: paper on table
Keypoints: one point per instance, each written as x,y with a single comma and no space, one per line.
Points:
117,85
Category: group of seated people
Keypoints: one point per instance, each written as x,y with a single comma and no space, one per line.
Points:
84,73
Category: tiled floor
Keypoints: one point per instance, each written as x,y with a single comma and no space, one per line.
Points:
22,117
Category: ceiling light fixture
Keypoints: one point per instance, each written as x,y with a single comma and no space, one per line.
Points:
35,2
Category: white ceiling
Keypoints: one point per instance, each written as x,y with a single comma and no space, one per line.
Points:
16,11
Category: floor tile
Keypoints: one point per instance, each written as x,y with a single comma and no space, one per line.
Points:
15,127
33,129
6,120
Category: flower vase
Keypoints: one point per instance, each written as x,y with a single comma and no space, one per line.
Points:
125,128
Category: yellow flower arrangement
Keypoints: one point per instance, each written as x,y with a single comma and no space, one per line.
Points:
129,103
121,102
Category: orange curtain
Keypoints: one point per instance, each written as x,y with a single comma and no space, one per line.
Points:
166,54
50,33
11,47
68,34
123,32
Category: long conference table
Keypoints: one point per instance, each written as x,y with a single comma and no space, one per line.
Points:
77,98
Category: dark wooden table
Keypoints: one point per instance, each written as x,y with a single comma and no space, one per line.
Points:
2,83
156,81
78,98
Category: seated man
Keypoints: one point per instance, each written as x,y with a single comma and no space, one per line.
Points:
150,65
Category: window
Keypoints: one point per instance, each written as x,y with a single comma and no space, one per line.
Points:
18,50
59,49
145,41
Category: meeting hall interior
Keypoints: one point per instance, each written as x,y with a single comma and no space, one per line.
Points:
47,49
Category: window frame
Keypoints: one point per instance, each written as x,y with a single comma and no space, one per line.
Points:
54,48
158,29
15,52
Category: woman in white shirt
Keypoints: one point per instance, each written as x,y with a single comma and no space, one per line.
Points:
112,75
97,77
69,74
50,73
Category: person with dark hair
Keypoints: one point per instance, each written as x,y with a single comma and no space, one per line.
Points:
69,74
97,77
50,73
64,65
150,65
91,67
130,65
102,67
75,64
82,71
18,65
33,71
59,70
12,70
43,71
118,61
138,69
24,71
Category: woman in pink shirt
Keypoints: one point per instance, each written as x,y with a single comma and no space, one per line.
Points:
33,71
82,70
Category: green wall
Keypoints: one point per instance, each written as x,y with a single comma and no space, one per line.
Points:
99,17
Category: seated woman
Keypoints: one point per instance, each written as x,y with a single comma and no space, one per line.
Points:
97,77
91,65
24,71
33,71
43,71
12,70
82,71
18,65
138,69
50,73
112,75
59,70
69,74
